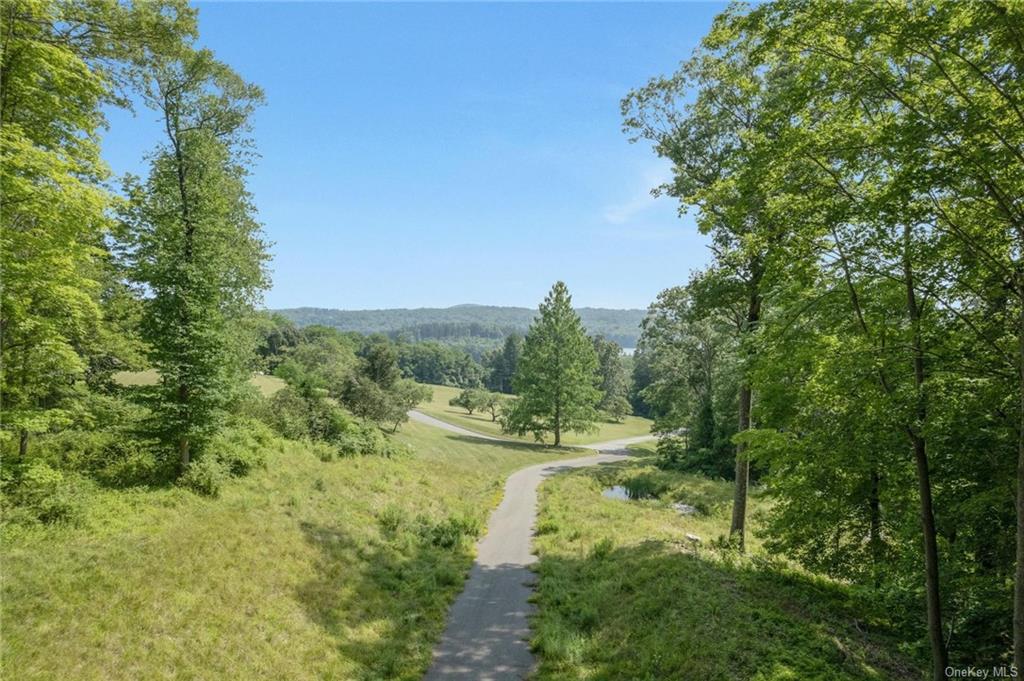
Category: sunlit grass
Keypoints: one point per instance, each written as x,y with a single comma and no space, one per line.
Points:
481,422
305,570
625,594
267,385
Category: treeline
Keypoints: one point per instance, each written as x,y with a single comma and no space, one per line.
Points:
859,336
475,328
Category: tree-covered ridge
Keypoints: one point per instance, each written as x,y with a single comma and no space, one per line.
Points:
456,324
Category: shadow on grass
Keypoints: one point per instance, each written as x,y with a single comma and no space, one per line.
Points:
383,603
657,610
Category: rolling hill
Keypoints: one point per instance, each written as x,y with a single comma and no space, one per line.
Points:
475,327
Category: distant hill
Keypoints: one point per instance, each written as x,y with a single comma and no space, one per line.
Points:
475,327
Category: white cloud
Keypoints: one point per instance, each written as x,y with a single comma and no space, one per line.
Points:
641,201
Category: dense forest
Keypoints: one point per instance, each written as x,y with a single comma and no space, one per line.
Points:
475,328
857,344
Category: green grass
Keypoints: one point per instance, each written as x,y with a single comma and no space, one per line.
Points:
267,385
481,421
624,595
306,570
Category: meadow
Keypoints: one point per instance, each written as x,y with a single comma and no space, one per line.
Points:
307,569
267,385
481,422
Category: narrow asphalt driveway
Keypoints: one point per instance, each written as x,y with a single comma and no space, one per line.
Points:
486,638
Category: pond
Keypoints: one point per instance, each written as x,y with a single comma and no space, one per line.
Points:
624,493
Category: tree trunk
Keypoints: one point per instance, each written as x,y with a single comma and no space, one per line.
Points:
1018,584
875,536
931,562
739,500
558,421
931,549
183,452
23,443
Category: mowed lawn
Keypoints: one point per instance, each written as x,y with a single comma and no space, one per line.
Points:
309,569
624,594
481,422
267,385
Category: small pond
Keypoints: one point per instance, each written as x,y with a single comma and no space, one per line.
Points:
624,493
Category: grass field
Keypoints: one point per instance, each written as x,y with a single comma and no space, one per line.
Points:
623,594
306,570
267,385
481,421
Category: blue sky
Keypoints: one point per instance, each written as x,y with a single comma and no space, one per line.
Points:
426,155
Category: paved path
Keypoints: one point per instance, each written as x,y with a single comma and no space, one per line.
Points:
486,638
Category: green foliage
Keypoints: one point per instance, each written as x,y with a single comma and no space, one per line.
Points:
471,399
44,493
432,362
557,378
500,364
191,238
60,63
852,164
206,476
614,379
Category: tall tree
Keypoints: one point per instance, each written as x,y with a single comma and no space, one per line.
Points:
194,243
60,62
720,146
557,376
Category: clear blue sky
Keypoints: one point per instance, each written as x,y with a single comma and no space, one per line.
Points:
422,155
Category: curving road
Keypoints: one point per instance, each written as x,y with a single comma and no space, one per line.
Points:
486,638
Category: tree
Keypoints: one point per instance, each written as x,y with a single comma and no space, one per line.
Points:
690,349
60,62
192,240
557,376
501,364
720,145
614,379
469,399
493,403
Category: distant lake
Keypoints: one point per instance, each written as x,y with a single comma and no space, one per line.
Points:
628,351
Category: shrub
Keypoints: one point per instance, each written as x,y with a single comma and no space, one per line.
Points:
241,448
46,494
450,532
391,517
602,549
112,459
205,476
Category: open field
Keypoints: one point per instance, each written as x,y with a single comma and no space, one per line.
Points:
309,569
624,594
267,385
481,421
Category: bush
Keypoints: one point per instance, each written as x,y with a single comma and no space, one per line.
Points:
205,476
241,448
391,517
112,459
46,494
450,532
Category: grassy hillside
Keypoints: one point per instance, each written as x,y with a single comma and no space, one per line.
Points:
462,322
306,570
481,421
623,594
267,385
